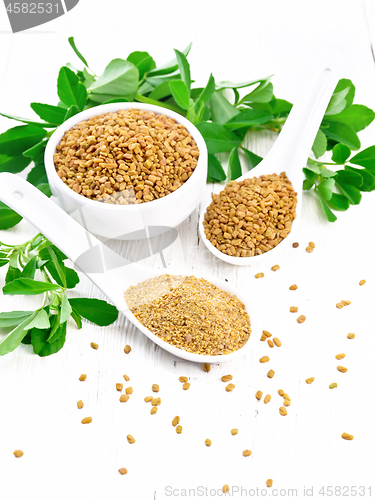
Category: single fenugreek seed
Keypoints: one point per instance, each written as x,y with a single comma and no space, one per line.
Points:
127,349
295,245
126,378
264,359
183,379
154,409
310,380
129,390
346,302
309,249
259,395
293,309
275,268
333,385
206,367
293,287
124,398
270,374
312,244
123,471
246,453
267,399
130,439
340,356
351,335
225,488
155,401
263,338
119,387
301,319
185,386
94,345
155,388
286,402
281,392
179,429
267,334
259,275
283,411
346,436
277,342
286,396
270,343
148,399
339,305
230,387
362,282
18,453
234,432
342,369
86,420
80,404
83,377
208,442
269,483
175,421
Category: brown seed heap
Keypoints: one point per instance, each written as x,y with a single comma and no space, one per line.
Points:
251,217
191,314
128,157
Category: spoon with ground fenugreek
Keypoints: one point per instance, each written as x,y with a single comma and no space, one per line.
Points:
190,317
253,217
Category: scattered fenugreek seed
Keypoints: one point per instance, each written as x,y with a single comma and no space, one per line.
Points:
333,385
154,409
346,436
246,453
277,342
225,488
346,302
94,345
267,334
281,392
175,421
83,377
208,442
130,439
230,387
342,369
155,401
269,483
186,386
286,396
362,282
310,380
293,309
283,411
340,356
259,395
301,319
148,399
351,335
293,287
124,398
127,349
270,343
126,378
295,245
259,275
18,453
86,420
267,399
309,249
80,404
275,268
179,429
155,388
311,244
263,338
206,367
129,390
264,359
286,402
270,374
183,379
234,432
123,471
339,305
119,387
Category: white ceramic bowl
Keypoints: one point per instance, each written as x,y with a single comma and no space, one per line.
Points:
116,221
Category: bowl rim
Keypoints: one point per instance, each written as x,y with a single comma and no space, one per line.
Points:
113,108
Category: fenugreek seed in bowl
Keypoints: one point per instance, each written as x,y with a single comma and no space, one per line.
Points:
191,314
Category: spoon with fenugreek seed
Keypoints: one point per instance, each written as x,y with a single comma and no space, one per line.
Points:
255,216
190,317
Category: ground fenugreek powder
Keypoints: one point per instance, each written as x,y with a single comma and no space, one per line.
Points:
131,156
190,313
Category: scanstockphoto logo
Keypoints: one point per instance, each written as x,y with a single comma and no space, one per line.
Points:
27,14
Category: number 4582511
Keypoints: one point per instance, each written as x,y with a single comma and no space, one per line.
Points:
32,8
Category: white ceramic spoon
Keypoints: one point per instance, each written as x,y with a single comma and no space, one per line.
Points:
117,274
291,149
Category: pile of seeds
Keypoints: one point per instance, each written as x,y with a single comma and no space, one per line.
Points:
191,314
128,157
251,217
